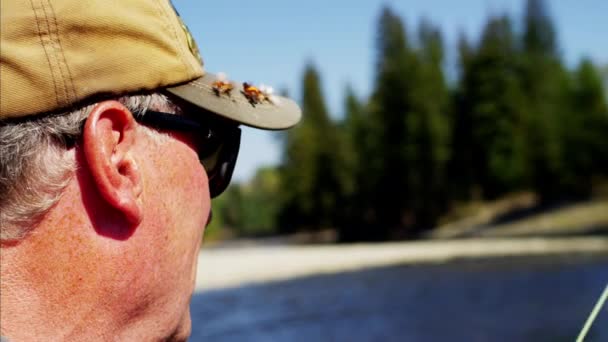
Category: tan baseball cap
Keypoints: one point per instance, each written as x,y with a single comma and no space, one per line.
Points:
57,54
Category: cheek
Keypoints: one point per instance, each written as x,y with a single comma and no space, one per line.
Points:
188,177
176,204
192,192
187,213
184,196
175,201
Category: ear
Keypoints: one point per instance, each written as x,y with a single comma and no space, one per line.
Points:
108,141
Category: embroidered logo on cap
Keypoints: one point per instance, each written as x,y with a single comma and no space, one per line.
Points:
191,42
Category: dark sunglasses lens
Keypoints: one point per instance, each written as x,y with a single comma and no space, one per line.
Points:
220,163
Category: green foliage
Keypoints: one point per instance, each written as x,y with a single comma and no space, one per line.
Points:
545,85
539,35
355,157
605,80
225,213
431,133
390,149
405,135
260,204
516,119
248,209
312,180
460,165
489,132
584,132
354,138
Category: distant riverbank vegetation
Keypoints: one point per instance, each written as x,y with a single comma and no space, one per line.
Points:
513,119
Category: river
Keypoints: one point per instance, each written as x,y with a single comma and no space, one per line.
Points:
493,299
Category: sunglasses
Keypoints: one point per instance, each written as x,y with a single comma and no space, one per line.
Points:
217,142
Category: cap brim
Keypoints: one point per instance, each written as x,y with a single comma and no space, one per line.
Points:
275,114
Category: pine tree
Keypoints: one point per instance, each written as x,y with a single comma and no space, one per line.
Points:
605,81
539,36
460,165
584,132
430,127
391,153
353,137
545,85
311,181
491,105
353,225
408,132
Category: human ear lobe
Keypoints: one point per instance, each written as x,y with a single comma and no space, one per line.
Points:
108,141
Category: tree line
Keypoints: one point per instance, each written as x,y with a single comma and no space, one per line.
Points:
515,118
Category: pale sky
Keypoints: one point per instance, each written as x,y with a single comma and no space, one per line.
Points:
270,41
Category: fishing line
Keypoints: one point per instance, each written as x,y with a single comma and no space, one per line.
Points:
594,313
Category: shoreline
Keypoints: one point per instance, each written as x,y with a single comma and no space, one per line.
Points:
225,267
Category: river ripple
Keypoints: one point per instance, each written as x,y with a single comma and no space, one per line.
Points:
499,299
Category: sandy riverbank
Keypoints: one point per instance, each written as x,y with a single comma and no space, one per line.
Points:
221,267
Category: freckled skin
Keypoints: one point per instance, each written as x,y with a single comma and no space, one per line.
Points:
68,281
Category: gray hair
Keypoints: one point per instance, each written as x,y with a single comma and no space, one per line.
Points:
35,167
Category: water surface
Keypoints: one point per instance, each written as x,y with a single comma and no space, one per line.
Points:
506,299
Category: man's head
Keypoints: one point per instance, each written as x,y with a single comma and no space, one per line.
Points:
113,139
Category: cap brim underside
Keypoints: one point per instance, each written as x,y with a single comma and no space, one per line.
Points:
281,113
